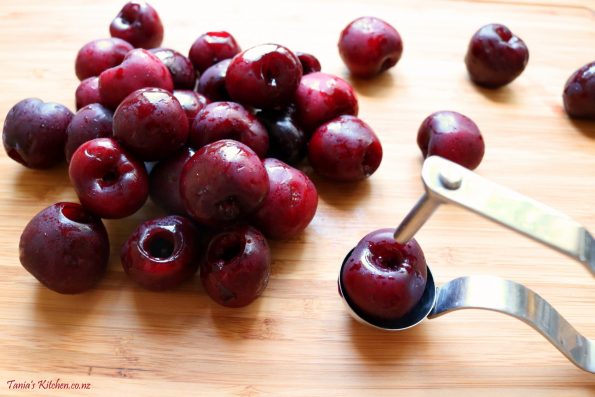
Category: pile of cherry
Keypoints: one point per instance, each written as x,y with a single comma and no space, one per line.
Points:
221,131
220,149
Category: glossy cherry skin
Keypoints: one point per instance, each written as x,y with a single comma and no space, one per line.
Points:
211,48
290,203
138,23
34,133
369,46
212,82
237,266
579,93
181,69
321,97
92,121
265,76
192,103
107,180
223,183
164,182
495,56
453,136
287,141
229,120
99,55
139,69
382,278
87,92
65,248
151,124
345,149
310,63
161,253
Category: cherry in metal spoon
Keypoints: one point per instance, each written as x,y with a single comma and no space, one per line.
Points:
447,182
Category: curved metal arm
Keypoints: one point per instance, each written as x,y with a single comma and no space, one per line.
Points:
448,182
518,301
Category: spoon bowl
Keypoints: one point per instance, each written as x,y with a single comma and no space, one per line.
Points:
415,316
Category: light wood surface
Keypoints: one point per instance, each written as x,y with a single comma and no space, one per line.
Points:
297,339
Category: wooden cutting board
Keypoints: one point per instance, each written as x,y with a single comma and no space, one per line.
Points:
297,339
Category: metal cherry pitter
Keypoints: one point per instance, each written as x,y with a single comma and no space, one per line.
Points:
447,182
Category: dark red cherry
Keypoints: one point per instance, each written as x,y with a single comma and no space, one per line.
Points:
310,63
164,182
290,203
382,278
151,124
369,46
87,92
211,48
321,97
92,121
223,183
34,133
140,69
107,180
65,247
453,136
99,55
212,82
495,56
161,253
192,103
180,67
237,266
265,76
138,23
229,120
579,93
345,149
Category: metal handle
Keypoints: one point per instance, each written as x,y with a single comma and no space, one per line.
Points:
518,301
448,182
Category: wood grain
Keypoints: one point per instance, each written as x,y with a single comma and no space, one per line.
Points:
297,340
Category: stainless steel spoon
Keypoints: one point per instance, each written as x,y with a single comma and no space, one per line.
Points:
447,182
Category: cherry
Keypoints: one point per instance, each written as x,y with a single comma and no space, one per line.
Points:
579,92
237,266
369,46
99,55
181,69
495,56
211,48
290,204
287,141
228,120
151,124
161,253
34,133
310,63
107,180
212,82
139,69
453,136
321,97
265,76
87,92
224,182
382,278
138,23
345,149
192,103
164,182
65,248
92,121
